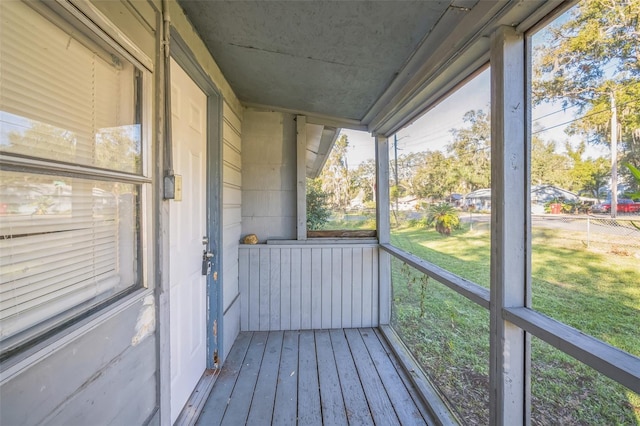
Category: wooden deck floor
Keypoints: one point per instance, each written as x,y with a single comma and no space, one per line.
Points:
321,377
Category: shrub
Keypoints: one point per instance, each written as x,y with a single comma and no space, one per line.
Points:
318,212
444,217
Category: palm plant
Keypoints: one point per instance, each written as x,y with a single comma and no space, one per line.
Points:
636,175
444,216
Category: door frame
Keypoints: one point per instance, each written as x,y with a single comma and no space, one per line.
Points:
181,53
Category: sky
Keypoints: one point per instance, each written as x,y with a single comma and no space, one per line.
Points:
432,131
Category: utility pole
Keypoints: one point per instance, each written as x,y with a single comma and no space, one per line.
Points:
614,156
395,168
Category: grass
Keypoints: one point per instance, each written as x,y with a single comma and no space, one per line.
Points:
351,221
595,292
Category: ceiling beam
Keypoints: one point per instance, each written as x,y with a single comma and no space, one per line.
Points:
314,118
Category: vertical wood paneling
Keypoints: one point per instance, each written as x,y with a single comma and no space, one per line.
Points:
298,288
243,283
316,288
285,289
367,291
264,307
347,291
254,290
376,293
356,304
326,268
305,288
336,287
275,290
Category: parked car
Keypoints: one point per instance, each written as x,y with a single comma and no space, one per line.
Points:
625,205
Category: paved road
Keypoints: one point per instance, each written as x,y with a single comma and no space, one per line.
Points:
598,224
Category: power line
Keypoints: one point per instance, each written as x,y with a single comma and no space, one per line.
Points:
580,118
607,68
554,112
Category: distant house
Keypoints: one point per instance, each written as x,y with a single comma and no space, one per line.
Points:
540,195
478,200
407,203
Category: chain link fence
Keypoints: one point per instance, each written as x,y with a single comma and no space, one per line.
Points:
598,233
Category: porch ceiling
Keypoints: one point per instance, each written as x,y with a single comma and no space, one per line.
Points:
359,64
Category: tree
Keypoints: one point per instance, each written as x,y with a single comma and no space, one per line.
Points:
318,212
363,178
547,166
471,151
436,178
44,140
592,61
408,166
335,176
590,175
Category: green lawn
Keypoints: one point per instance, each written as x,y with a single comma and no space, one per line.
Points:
596,292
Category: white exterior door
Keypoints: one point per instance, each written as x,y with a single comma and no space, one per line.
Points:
188,227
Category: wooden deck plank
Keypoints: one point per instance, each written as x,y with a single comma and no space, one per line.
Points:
242,395
379,403
309,412
330,377
218,399
333,409
285,411
355,401
404,405
263,401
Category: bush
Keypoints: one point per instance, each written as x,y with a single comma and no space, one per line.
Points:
444,217
318,212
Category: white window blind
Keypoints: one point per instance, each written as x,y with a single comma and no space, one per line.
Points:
67,242
64,98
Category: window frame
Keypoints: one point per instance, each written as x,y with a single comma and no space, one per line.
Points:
63,14
329,235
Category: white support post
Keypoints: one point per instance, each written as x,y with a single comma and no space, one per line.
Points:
301,178
509,219
383,226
